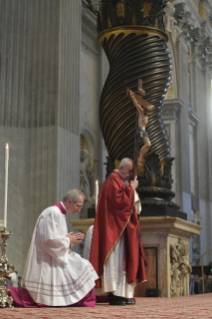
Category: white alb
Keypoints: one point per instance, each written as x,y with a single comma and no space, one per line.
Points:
55,275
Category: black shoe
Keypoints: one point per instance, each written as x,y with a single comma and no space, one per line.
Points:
117,303
116,300
130,302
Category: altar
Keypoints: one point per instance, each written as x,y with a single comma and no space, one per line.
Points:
166,244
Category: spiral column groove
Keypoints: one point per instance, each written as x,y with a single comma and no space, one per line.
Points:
134,52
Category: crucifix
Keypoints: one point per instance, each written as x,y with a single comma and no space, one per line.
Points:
143,109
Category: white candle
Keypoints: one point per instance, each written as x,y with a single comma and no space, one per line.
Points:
6,183
96,193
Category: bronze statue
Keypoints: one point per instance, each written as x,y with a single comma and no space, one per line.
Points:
143,108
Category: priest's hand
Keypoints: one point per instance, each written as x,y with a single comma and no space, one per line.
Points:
75,238
134,183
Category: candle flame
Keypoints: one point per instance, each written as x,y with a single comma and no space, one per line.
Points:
7,146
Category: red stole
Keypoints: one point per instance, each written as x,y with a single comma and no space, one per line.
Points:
116,216
61,208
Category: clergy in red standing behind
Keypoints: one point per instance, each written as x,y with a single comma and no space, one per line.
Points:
116,251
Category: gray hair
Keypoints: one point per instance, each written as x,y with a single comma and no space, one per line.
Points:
124,162
73,194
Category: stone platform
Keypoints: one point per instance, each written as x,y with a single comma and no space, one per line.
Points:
165,240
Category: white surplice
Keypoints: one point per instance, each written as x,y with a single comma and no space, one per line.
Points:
14,279
54,274
114,278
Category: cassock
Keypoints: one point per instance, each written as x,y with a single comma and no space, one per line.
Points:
116,251
54,274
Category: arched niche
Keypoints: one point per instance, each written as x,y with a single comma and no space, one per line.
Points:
87,171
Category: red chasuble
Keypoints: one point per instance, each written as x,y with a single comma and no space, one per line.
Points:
116,216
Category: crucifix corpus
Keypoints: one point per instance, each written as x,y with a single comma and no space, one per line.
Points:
143,109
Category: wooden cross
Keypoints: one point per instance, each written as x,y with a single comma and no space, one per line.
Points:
147,108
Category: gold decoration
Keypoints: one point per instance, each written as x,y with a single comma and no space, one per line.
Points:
100,15
120,10
170,91
127,30
5,300
116,163
146,9
134,18
156,23
154,182
201,10
109,22
163,162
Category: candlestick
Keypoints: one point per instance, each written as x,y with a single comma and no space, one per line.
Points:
96,193
5,300
6,184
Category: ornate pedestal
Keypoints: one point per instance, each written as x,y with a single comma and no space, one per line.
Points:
5,300
165,240
170,235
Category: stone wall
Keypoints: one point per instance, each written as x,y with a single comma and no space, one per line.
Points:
52,71
189,39
39,112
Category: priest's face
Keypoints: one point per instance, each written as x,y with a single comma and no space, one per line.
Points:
127,171
72,207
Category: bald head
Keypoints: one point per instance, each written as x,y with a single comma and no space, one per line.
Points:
125,162
126,168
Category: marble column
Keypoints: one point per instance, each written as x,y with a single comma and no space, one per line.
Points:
104,69
183,151
206,169
39,110
68,139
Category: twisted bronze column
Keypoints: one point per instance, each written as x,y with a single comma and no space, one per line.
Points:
131,33
134,52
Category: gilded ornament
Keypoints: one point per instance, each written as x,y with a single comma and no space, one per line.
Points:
146,9
134,18
5,300
201,10
120,10
170,91
109,23
116,163
100,15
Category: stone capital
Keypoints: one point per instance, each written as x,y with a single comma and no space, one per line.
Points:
171,109
89,34
194,119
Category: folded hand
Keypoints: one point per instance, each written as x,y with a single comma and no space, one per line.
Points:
75,238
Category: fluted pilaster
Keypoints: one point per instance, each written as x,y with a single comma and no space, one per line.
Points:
29,64
39,110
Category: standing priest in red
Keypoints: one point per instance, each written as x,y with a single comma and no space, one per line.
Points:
116,251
